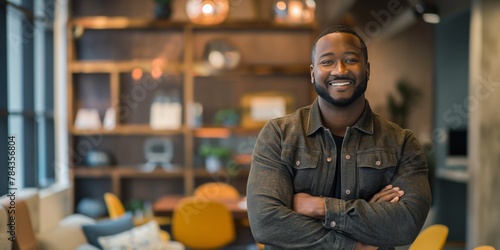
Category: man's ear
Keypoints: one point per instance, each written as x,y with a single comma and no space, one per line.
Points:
311,68
367,71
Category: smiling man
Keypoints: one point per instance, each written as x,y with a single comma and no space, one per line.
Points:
334,175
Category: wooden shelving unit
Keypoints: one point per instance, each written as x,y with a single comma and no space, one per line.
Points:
100,83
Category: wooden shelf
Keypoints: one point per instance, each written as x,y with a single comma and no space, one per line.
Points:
101,172
201,69
103,66
223,132
100,22
204,132
202,173
157,173
140,129
125,172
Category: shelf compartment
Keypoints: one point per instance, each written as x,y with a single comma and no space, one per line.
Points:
129,45
125,151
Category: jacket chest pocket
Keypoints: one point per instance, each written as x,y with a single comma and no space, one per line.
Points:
375,170
304,164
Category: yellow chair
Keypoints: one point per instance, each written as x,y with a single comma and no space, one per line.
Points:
219,190
484,248
114,205
216,190
203,224
116,209
431,238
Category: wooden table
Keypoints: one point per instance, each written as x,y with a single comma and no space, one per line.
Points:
165,206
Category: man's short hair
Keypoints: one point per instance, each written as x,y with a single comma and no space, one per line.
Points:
340,29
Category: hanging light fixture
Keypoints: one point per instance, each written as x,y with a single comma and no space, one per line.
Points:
428,12
294,11
207,12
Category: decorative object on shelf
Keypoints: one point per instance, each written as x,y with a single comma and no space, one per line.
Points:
214,155
163,9
110,119
258,108
233,168
207,12
87,119
91,207
196,115
294,11
227,117
408,96
166,111
158,152
221,55
96,158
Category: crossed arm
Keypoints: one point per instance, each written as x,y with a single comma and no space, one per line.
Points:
314,207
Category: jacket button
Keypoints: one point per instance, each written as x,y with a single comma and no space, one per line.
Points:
347,191
333,224
347,157
329,159
297,163
377,163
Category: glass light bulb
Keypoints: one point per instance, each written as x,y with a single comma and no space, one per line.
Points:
207,12
207,9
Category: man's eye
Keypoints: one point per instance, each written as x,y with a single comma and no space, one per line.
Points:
351,60
327,62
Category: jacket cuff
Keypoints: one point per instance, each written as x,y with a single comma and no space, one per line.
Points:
334,208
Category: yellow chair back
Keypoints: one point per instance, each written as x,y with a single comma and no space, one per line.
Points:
216,190
203,224
114,205
116,209
484,248
431,238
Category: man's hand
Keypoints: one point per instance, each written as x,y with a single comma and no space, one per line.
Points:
360,246
309,205
388,193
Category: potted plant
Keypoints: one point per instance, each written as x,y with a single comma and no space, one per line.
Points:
228,117
399,108
214,156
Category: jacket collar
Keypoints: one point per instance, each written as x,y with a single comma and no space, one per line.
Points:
364,123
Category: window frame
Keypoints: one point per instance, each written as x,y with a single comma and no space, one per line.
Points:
34,112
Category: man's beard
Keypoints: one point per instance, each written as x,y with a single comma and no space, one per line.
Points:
359,90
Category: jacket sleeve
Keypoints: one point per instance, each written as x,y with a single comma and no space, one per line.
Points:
270,197
386,224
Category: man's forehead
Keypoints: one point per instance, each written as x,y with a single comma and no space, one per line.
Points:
339,38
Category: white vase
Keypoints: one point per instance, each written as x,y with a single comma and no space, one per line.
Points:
213,164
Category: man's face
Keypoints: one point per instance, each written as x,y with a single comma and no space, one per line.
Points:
339,73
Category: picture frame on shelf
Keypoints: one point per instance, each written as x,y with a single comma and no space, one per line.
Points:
260,107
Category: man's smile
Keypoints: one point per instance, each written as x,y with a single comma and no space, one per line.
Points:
338,83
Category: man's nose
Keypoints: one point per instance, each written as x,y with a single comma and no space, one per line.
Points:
339,69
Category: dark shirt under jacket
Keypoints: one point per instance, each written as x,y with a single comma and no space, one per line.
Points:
296,153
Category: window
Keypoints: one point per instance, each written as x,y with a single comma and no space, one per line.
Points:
26,91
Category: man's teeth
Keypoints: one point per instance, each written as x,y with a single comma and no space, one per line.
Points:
339,83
